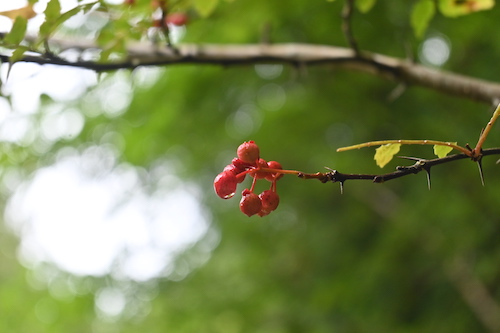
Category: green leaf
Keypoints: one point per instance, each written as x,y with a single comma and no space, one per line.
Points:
52,13
365,5
18,31
455,8
53,10
421,15
18,54
385,153
442,151
205,7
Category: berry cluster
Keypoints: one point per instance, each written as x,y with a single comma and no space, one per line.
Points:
249,162
174,18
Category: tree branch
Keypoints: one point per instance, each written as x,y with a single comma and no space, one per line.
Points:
347,27
401,171
395,69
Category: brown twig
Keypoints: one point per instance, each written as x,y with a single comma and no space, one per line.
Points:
347,13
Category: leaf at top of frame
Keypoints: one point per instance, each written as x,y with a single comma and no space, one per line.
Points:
421,15
364,6
453,8
205,7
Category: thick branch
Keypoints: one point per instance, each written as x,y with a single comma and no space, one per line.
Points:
400,70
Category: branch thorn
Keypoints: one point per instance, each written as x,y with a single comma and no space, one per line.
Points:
480,166
411,158
428,172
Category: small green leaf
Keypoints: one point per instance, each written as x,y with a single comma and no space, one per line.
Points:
385,153
205,7
52,13
18,31
364,6
421,15
53,10
18,54
455,8
442,151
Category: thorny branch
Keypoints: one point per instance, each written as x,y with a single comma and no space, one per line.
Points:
401,171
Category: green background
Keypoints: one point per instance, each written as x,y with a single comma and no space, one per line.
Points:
392,257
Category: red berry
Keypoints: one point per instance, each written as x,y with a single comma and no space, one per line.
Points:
225,184
261,174
248,152
274,176
250,203
155,4
235,171
177,19
270,201
242,166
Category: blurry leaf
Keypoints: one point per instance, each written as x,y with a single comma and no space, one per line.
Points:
26,12
53,10
18,31
421,15
67,15
463,7
53,22
442,151
365,5
18,54
384,154
87,7
205,7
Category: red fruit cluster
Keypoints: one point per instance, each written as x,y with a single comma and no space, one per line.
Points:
248,161
177,19
173,18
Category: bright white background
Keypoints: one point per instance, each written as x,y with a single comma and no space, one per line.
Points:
88,213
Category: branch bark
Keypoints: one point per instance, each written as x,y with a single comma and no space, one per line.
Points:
395,69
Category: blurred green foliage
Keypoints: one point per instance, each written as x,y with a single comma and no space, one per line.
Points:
378,258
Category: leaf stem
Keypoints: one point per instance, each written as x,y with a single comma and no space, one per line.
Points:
407,142
476,152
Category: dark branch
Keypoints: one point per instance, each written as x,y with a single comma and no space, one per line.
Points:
401,171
